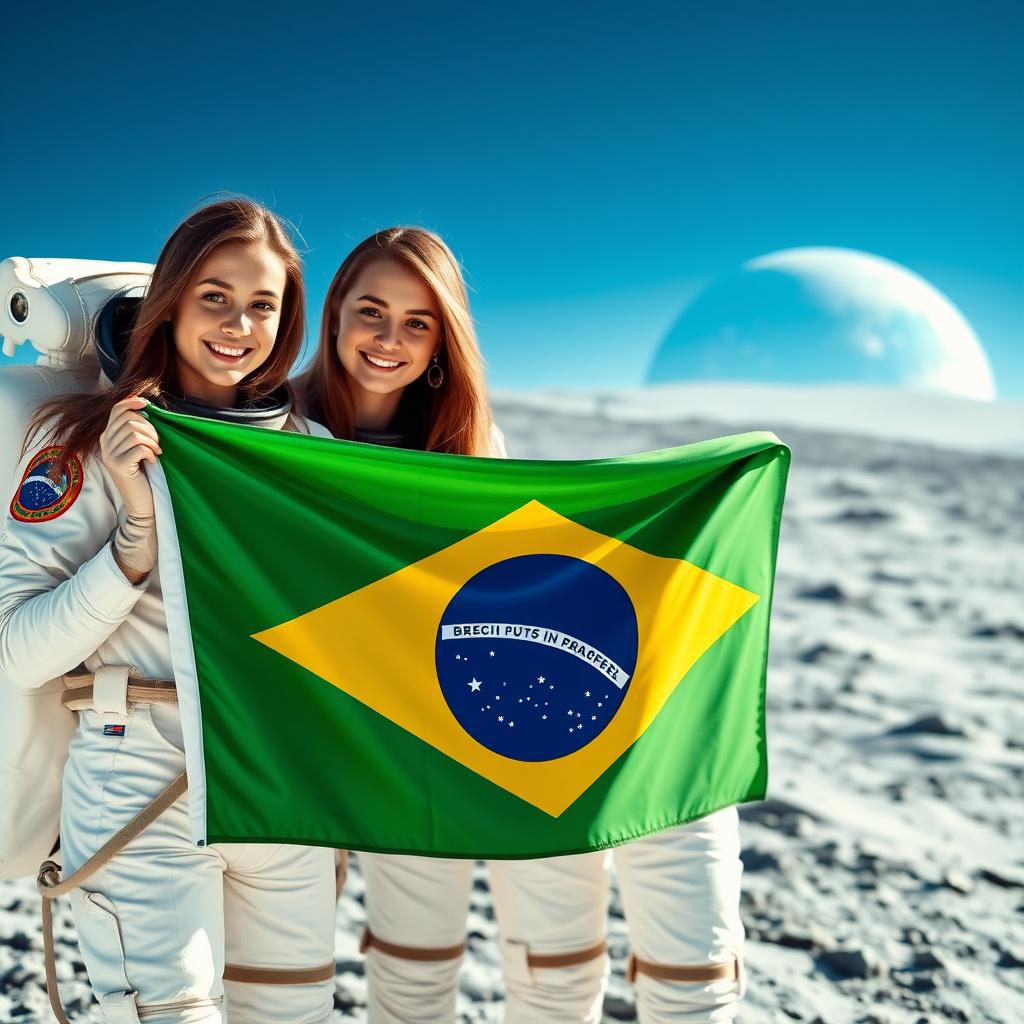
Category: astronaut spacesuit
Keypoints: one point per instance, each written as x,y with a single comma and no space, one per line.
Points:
51,304
159,922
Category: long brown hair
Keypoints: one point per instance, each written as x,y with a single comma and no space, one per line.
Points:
149,364
452,418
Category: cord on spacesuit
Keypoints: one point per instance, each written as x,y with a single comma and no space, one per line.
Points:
50,885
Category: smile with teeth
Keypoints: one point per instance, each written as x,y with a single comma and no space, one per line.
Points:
227,353
380,363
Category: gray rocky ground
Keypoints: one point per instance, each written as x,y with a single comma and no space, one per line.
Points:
884,877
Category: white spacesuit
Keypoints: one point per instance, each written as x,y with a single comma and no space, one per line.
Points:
159,922
51,305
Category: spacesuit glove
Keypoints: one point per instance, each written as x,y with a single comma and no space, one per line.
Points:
135,546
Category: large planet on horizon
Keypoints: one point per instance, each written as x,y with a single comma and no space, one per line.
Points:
825,315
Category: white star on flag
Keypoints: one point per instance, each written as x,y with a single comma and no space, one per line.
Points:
475,684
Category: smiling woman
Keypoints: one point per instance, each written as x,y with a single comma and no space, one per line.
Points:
398,353
398,364
192,927
385,344
226,323
228,276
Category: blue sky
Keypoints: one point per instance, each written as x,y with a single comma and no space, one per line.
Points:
592,167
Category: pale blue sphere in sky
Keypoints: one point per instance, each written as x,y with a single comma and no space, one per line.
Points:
826,315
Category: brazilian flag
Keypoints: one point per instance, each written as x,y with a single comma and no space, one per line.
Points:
411,652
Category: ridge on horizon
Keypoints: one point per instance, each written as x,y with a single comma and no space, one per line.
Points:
937,420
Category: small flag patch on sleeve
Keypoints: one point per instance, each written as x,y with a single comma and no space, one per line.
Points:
40,497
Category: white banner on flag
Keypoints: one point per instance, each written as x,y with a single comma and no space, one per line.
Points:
539,635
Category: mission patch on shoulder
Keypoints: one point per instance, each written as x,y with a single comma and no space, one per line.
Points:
39,497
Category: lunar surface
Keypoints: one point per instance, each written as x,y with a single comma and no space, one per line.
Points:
884,876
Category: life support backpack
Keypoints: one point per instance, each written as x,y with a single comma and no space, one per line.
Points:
55,305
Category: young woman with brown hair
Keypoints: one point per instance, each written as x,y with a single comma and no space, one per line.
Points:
433,392
162,922
398,364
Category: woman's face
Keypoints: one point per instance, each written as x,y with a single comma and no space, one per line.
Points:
389,328
226,323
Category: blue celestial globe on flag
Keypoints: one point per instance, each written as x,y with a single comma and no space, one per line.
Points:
534,655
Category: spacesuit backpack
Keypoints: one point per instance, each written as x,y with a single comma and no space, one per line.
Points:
56,306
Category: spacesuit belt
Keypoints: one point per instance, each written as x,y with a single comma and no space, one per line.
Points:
419,953
50,884
79,692
729,971
150,692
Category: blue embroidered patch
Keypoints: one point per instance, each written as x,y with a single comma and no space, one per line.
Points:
39,497
113,730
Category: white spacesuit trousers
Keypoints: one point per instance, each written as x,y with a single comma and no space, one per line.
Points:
158,922
544,908
681,894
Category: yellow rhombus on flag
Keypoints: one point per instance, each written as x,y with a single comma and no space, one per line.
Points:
378,643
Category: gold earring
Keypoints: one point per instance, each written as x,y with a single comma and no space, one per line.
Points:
435,375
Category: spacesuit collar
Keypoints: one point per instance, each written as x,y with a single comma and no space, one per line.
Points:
272,411
388,438
113,328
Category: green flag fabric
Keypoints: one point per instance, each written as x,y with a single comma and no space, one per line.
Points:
398,651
